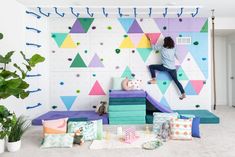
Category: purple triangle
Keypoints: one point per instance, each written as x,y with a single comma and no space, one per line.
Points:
77,28
135,28
95,62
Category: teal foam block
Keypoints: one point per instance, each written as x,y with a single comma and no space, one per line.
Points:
127,103
139,118
205,116
113,122
127,99
127,114
127,108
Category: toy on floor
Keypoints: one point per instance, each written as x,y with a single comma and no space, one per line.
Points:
130,135
101,108
147,131
165,131
78,137
151,145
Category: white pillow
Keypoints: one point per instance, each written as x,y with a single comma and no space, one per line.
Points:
181,129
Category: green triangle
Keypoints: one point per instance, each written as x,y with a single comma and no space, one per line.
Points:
144,53
181,74
86,23
59,38
78,62
127,73
163,85
205,27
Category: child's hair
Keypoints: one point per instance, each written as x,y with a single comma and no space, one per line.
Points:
168,43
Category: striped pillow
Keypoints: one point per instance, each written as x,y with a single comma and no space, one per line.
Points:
181,129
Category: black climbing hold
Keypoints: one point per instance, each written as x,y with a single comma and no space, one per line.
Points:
196,43
197,106
133,75
69,59
164,83
164,28
69,27
180,20
54,107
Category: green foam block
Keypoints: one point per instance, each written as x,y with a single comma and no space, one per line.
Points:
140,118
127,100
127,113
127,108
126,122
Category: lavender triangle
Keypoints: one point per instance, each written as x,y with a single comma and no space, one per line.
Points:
95,62
135,28
77,27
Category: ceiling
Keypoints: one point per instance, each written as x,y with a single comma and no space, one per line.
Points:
223,8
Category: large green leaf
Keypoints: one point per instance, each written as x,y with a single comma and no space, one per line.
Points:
13,83
35,59
23,85
7,58
7,74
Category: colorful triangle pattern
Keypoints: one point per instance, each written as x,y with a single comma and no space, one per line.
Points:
144,53
135,38
78,62
197,85
95,62
126,23
68,101
144,42
163,85
181,74
77,27
163,76
154,37
127,73
189,89
164,102
59,38
135,28
127,43
68,42
205,27
97,89
86,23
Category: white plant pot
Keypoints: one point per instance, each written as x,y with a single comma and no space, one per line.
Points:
2,145
13,146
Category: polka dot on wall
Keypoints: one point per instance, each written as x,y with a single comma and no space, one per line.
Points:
61,83
133,51
70,59
164,28
69,27
85,51
54,107
180,20
117,51
93,27
196,43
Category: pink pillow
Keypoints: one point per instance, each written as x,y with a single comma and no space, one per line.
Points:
57,126
125,85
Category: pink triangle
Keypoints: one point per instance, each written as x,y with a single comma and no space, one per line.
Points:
197,85
97,89
153,36
135,38
95,62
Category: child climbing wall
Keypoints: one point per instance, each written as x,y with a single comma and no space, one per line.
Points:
86,53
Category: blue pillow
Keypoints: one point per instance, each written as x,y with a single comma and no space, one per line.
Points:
195,126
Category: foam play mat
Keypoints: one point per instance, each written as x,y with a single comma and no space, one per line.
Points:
205,116
90,115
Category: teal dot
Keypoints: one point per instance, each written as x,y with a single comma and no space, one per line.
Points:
85,51
54,107
94,75
196,43
164,83
53,36
180,35
180,75
203,59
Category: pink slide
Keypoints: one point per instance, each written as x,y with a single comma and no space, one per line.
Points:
157,105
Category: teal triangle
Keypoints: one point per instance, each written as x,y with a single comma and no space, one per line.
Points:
181,74
126,23
144,53
59,38
163,85
164,102
78,62
189,89
68,101
127,73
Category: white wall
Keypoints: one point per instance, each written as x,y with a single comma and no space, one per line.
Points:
221,69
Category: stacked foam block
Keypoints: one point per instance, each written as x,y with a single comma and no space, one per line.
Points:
127,107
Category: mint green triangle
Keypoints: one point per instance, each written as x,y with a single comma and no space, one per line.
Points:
144,53
78,62
181,74
86,23
127,73
205,27
163,85
59,38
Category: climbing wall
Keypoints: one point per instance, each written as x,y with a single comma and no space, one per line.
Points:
86,53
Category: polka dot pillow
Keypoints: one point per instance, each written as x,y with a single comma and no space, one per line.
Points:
181,129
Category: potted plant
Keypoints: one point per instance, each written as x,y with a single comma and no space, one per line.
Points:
17,130
5,123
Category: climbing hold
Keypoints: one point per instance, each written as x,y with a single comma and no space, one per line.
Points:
109,27
157,51
180,20
53,51
203,59
101,43
164,83
133,75
93,75
117,67
118,51
1,36
69,27
61,83
110,91
133,51
196,43
164,28
78,43
85,51
125,36
141,20
53,35
180,75
188,59
93,27
78,91
78,75
197,106
204,82
53,107
70,59
180,35
101,59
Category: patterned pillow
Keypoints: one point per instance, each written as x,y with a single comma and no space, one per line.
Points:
91,130
159,118
58,141
181,129
58,126
135,84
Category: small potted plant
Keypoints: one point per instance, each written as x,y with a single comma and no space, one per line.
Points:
5,123
17,130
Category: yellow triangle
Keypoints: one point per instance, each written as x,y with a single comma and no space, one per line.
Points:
68,43
144,42
127,43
